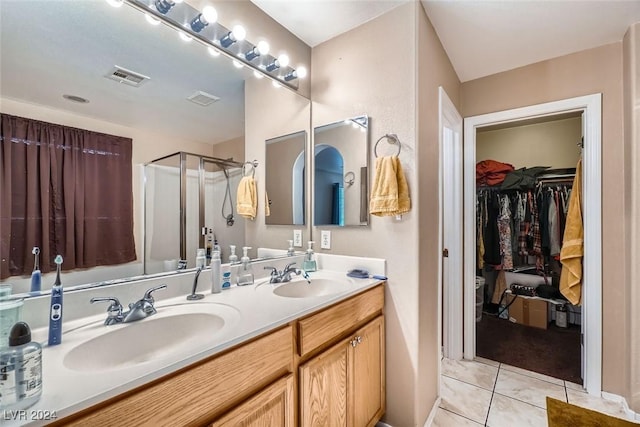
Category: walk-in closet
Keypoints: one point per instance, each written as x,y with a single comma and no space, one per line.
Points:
527,218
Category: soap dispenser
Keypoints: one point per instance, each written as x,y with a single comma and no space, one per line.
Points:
291,251
245,272
309,263
233,258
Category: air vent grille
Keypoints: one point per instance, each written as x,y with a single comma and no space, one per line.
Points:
203,98
128,77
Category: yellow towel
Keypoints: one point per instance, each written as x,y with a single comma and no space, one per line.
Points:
267,207
390,192
573,244
247,198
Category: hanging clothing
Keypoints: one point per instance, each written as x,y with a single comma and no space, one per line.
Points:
573,244
504,229
554,235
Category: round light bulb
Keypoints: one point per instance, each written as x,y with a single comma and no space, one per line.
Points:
185,37
283,60
239,33
115,3
263,47
301,71
213,52
210,14
257,75
151,20
237,64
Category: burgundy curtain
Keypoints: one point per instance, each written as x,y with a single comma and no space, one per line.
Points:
67,191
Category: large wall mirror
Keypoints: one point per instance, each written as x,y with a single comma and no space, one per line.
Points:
285,182
341,165
190,100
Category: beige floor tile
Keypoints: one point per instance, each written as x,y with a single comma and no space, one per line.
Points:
465,399
487,361
574,386
532,374
445,418
596,403
471,372
507,412
527,389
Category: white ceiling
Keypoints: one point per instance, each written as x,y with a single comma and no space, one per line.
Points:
481,37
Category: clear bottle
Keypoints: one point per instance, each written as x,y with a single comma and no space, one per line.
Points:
233,258
245,272
309,264
201,259
20,370
216,277
291,251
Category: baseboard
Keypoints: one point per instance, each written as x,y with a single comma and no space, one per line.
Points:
432,414
632,415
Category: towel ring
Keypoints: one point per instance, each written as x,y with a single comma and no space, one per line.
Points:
392,139
253,165
349,178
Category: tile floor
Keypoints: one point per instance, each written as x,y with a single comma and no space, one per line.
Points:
487,393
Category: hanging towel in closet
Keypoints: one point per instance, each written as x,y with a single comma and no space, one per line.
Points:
573,244
390,192
247,198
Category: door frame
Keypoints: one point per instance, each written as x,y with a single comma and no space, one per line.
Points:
450,294
591,105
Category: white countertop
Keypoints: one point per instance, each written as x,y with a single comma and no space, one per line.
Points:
248,311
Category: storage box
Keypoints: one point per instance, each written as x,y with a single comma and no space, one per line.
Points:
529,312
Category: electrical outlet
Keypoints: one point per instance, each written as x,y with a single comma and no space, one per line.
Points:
297,238
325,239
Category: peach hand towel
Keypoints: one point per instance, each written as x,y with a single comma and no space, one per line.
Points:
390,192
573,244
247,198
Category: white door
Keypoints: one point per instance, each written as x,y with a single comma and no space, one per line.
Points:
451,283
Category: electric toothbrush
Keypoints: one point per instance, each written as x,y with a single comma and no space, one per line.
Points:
36,275
55,315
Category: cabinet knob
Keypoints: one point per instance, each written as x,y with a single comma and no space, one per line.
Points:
359,339
354,342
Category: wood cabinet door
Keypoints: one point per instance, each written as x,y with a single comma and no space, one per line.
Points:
368,381
272,407
323,388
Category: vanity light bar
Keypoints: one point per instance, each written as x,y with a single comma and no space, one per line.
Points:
203,26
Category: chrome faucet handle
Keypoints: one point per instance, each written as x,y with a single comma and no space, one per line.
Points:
288,268
114,311
275,275
147,295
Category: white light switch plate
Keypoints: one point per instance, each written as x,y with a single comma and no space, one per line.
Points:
297,238
325,239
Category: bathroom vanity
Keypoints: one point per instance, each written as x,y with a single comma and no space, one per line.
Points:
303,360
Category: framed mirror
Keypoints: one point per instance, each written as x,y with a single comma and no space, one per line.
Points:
189,100
341,173
285,179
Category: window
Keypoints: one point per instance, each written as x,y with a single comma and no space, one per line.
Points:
67,191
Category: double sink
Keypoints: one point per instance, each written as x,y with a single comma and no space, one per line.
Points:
181,328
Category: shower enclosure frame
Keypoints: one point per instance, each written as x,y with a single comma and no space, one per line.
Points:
202,160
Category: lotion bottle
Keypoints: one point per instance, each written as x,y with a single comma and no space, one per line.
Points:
216,278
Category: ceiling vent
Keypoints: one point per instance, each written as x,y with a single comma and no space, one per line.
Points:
128,77
203,98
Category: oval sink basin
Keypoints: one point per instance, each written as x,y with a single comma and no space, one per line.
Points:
172,330
317,287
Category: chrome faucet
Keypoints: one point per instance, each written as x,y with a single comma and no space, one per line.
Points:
193,296
138,310
285,275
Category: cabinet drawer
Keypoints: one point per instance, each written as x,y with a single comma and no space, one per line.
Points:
194,396
318,329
